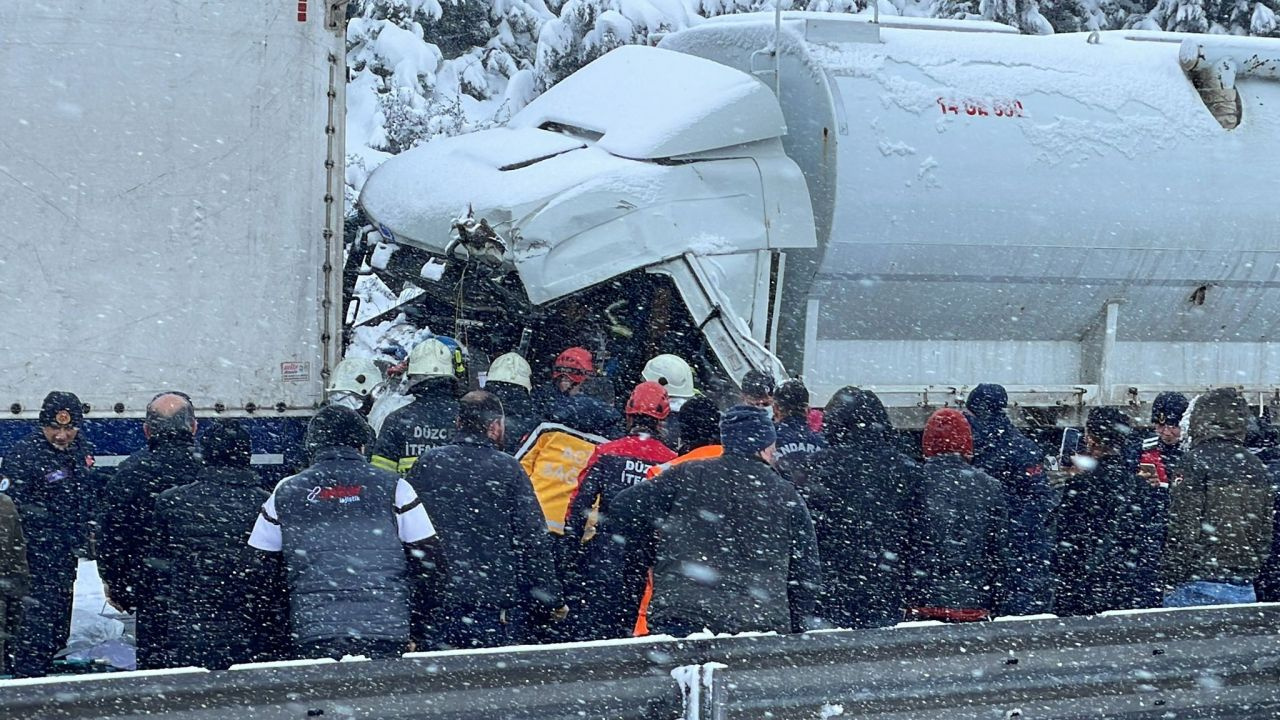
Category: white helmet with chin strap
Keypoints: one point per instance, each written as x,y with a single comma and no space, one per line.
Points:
511,368
356,375
431,358
673,373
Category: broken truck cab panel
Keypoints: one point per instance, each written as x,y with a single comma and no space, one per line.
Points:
583,192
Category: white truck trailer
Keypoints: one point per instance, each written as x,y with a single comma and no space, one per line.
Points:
171,185
912,206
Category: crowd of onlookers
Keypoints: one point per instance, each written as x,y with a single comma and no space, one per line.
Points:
519,513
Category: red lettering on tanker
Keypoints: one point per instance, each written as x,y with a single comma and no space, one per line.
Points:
982,108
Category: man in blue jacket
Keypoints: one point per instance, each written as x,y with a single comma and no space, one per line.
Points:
49,476
796,440
1007,455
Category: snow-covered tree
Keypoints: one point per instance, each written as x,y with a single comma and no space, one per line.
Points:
587,29
1022,14
426,68
1263,21
953,9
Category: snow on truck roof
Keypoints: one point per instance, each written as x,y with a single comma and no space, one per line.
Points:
497,170
672,104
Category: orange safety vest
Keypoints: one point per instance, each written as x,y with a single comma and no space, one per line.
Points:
706,452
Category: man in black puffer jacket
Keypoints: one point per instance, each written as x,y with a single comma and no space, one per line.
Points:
214,591
126,553
730,542
859,490
499,569
1220,512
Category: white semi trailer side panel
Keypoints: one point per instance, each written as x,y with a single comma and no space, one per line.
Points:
165,222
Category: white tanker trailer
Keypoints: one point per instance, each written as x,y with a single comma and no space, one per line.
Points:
912,206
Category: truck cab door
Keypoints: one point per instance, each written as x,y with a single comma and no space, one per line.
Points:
716,316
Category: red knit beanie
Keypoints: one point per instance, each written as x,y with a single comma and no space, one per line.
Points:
948,432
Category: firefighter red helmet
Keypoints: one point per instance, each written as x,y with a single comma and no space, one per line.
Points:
574,363
649,398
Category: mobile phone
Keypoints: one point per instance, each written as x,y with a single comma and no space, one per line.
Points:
1070,446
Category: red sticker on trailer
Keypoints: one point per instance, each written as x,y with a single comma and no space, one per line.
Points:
295,371
1001,108
302,10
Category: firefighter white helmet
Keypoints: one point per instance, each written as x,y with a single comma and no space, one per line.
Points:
511,368
671,372
431,358
355,375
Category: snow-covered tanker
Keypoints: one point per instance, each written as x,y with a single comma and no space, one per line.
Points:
913,206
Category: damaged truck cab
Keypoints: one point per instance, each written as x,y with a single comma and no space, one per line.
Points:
913,206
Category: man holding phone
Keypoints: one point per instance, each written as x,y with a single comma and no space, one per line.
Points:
1160,453
1158,465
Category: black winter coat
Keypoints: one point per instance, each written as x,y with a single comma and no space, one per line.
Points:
1220,516
958,548
1267,585
409,432
220,599
731,546
796,444
860,491
127,521
1007,455
493,538
128,550
55,492
1100,524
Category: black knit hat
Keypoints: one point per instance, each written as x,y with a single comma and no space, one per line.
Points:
756,384
1110,427
61,408
792,397
746,430
226,444
337,426
699,424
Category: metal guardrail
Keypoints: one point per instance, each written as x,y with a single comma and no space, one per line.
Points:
1202,663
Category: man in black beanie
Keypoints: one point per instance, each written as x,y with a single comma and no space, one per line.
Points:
215,595
348,579
50,479
730,543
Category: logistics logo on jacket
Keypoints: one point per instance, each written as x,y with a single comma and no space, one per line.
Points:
341,494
